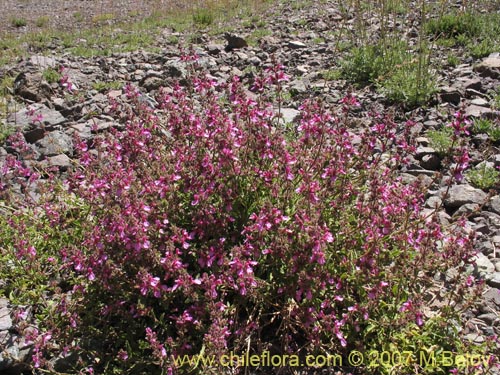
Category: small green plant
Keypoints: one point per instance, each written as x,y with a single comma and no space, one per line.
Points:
496,99
452,60
486,126
331,74
103,18
481,49
18,22
410,84
483,176
42,21
51,75
452,25
494,134
105,86
203,17
481,125
78,16
441,140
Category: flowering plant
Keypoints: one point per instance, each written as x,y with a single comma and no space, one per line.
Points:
209,225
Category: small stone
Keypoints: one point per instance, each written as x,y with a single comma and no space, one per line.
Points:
43,62
493,280
450,95
475,337
289,115
480,102
459,195
483,266
430,162
494,204
489,67
62,161
55,143
476,111
5,319
490,318
295,44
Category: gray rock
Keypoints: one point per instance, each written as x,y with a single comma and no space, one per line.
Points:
175,69
480,102
36,114
5,319
430,162
55,143
477,111
475,337
492,296
493,279
62,161
295,44
214,49
483,266
490,318
43,62
489,67
486,247
450,95
469,209
494,204
289,115
459,195
152,83
29,86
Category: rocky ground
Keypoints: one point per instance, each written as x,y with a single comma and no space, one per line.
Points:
301,39
68,15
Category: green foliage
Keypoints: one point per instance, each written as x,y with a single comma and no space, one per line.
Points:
203,17
481,125
106,86
51,75
410,84
78,16
103,18
42,21
484,176
6,90
393,69
486,126
482,48
18,22
453,25
452,60
478,32
331,74
441,140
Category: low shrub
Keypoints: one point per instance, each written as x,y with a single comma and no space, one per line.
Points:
206,226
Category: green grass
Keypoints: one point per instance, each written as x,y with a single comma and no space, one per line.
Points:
483,176
106,86
6,90
114,37
42,21
51,75
441,140
479,33
18,22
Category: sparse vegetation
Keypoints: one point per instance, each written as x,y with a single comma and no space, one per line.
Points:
484,176
106,86
18,22
441,140
51,75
